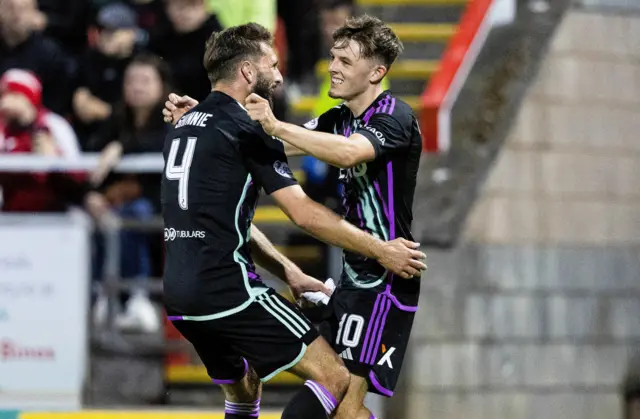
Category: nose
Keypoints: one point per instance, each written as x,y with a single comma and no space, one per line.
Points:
333,66
278,79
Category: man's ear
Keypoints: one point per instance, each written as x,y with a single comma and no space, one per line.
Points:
378,74
247,71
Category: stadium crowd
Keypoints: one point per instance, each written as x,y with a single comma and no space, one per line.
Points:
82,76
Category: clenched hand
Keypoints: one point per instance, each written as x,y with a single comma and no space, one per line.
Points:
260,110
176,106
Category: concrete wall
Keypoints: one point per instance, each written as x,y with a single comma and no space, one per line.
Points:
537,314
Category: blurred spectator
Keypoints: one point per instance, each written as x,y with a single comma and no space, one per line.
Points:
151,15
22,47
183,45
136,126
303,38
24,128
66,21
239,12
101,70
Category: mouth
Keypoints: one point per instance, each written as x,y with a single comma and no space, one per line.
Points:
336,81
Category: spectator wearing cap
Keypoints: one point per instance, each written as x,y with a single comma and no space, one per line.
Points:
22,47
182,46
101,70
25,128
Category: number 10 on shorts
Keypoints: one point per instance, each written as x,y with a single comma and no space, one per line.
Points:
350,330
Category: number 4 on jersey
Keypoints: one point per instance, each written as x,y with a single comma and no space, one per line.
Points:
181,173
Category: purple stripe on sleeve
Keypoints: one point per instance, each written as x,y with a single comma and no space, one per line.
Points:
387,100
174,318
368,115
393,105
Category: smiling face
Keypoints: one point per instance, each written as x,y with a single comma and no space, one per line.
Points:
351,73
363,50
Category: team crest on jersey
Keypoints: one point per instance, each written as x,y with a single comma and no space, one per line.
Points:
282,169
313,124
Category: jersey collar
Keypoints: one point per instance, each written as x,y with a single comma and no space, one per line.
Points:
374,103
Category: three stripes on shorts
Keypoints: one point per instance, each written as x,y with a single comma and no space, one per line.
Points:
289,318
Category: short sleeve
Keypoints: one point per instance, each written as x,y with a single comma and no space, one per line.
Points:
266,161
325,122
385,133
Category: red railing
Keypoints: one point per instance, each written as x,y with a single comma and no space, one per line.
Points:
456,64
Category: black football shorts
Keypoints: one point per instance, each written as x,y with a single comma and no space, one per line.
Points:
270,334
370,331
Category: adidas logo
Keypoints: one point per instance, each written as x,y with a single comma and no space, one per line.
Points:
346,354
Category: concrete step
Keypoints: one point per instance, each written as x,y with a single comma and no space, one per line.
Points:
416,13
409,87
423,50
424,32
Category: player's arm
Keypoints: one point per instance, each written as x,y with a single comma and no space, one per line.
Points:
265,254
265,160
399,256
292,151
336,150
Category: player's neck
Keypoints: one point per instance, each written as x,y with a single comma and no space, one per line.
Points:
360,103
228,89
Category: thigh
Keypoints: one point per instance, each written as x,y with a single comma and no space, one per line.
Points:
271,334
223,364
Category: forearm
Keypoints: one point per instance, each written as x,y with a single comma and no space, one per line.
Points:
336,150
327,226
265,254
292,151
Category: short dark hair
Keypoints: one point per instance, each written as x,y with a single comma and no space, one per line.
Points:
226,49
376,39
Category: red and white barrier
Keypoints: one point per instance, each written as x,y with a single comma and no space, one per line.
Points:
456,64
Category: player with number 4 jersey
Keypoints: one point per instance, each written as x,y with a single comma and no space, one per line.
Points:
217,161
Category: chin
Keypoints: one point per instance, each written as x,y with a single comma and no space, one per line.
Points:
334,95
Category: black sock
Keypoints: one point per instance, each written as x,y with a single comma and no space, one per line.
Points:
313,401
234,410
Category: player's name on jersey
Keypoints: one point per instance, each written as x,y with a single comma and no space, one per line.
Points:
196,119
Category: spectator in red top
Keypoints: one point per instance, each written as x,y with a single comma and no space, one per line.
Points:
23,129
